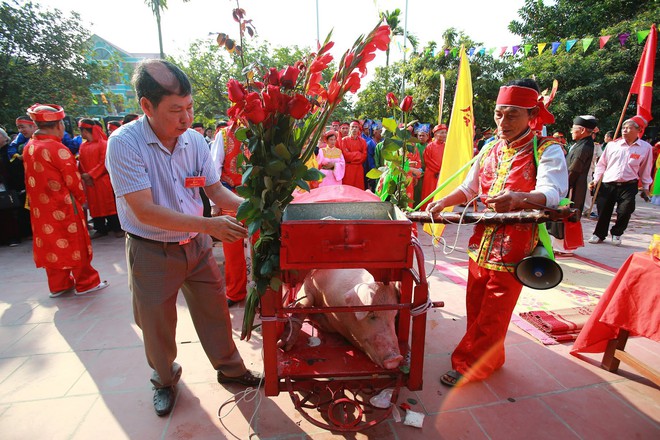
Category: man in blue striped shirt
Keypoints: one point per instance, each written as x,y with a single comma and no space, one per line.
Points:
158,165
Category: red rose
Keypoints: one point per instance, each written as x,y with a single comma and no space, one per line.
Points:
299,106
391,100
289,76
272,77
254,109
236,91
272,99
406,104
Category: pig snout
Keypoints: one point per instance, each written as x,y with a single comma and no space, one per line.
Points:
392,362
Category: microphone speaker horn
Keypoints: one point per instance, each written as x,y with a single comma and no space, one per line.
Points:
538,271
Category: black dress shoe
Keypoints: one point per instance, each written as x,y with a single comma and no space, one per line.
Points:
164,400
249,379
231,302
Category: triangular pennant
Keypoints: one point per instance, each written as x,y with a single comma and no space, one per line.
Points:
491,51
528,49
555,46
454,51
541,47
603,40
502,50
446,52
641,36
586,42
514,49
482,51
471,51
623,38
570,44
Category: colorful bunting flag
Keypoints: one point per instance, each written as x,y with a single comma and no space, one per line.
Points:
514,49
502,50
482,51
446,52
586,42
528,49
454,51
603,40
623,38
570,44
641,36
542,47
555,46
471,51
491,51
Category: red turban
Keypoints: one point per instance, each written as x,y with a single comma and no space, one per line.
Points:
97,130
46,113
24,120
525,97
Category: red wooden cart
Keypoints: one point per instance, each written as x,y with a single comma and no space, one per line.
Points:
329,380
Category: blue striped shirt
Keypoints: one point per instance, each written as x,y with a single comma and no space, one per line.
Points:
137,160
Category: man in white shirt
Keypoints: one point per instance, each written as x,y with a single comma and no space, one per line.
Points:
624,166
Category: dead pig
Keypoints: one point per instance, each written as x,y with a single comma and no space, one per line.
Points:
371,331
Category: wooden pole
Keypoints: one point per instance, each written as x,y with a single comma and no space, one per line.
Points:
623,114
441,99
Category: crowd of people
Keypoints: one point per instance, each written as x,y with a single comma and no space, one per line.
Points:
168,185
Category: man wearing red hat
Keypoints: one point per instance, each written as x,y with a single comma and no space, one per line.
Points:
100,196
624,166
61,244
433,161
112,126
515,172
16,172
354,150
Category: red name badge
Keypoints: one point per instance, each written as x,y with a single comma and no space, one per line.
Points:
195,181
635,156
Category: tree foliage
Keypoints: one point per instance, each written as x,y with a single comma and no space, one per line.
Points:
44,57
596,82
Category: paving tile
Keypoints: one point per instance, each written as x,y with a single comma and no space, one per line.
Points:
521,376
525,419
452,425
119,416
9,334
644,398
437,398
111,332
59,337
595,413
42,377
114,370
57,309
13,313
56,419
9,365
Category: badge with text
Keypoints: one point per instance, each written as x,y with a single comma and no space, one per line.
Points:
195,181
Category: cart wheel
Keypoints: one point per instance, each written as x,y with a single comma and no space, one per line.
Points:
345,413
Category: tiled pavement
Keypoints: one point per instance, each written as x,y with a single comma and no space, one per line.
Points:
74,368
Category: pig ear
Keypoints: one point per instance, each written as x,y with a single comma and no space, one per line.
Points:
360,295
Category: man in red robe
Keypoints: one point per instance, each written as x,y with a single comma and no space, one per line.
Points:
433,161
514,173
61,244
100,196
224,151
354,149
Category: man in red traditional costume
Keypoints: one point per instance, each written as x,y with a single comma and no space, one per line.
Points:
433,161
224,151
515,172
354,149
100,196
344,128
61,244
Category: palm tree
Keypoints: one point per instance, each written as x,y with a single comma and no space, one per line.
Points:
156,7
392,20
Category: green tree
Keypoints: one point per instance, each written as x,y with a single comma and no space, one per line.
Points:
594,82
44,58
158,6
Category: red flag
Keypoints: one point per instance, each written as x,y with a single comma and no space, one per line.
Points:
642,84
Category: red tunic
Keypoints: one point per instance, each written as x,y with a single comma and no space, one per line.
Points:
355,153
414,161
230,172
100,197
432,163
55,194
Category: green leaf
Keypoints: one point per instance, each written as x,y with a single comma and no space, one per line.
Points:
241,134
282,152
403,134
253,227
268,182
275,167
244,210
301,183
275,283
391,155
390,124
312,174
244,191
246,174
374,173
392,143
266,268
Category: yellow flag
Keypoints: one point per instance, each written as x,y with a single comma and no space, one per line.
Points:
459,144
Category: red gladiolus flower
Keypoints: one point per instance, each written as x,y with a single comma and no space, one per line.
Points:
314,87
272,77
300,66
254,110
320,63
391,100
333,91
327,47
407,104
289,76
364,59
299,106
236,91
353,82
382,37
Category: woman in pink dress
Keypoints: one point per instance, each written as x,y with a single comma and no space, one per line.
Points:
331,161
